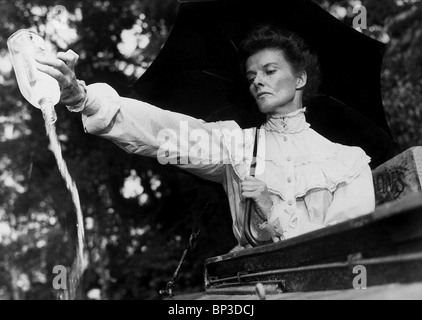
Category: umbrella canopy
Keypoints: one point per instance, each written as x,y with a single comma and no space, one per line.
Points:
197,72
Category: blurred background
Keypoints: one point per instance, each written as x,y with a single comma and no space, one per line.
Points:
138,214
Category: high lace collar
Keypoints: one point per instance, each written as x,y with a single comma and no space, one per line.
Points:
293,122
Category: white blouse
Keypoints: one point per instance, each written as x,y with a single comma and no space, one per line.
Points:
313,182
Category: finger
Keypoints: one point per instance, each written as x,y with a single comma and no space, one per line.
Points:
249,195
54,63
73,53
250,178
53,73
250,184
276,239
246,195
249,189
70,58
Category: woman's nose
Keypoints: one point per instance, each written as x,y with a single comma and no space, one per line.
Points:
259,82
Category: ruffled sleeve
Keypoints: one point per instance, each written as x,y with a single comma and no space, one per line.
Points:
352,200
343,166
103,103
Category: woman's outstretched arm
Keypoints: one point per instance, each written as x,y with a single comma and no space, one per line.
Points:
138,127
143,129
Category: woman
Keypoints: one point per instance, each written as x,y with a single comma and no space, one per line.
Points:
303,181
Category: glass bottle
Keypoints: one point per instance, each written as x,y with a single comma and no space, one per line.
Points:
38,88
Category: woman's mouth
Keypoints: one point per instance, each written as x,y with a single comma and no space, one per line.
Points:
262,94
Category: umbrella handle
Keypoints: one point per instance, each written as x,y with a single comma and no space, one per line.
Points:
254,242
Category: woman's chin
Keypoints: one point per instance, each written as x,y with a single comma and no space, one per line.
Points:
266,108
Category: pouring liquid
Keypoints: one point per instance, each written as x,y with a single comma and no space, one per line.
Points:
43,92
79,264
43,95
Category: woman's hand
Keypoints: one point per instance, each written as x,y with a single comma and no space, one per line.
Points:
257,190
62,68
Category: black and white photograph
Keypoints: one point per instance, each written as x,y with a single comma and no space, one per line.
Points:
213,155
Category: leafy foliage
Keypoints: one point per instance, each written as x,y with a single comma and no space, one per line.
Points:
133,243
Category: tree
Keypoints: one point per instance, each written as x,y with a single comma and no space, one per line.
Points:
128,236
398,24
402,82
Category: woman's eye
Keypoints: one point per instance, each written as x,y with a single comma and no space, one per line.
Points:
271,71
251,80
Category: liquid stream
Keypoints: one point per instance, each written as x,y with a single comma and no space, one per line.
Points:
43,92
79,263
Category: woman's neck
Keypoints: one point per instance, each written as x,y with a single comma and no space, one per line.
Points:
293,122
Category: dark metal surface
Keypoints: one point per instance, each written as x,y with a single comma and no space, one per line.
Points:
411,291
332,276
389,241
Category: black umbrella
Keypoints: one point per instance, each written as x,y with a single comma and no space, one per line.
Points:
197,72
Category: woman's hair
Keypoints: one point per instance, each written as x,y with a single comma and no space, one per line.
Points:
296,51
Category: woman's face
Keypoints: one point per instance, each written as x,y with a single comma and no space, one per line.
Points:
272,82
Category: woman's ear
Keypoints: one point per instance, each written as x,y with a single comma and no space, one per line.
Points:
302,80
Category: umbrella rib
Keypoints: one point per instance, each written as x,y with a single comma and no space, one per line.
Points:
216,75
234,45
366,118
